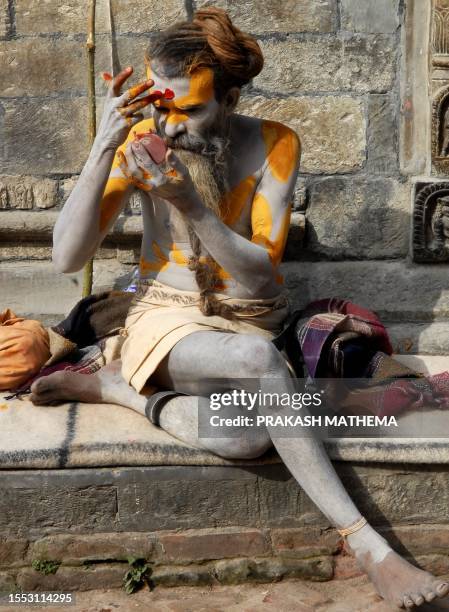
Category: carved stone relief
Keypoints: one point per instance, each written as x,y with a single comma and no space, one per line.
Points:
431,223
440,87
26,193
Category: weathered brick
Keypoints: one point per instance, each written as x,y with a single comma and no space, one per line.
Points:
41,66
379,16
26,192
12,551
101,576
382,135
356,63
319,121
232,571
341,211
76,549
275,16
59,142
176,575
37,16
273,569
305,542
345,566
204,544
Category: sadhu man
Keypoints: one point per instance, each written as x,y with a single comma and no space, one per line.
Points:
216,213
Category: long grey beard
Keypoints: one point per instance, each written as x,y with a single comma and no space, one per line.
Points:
203,174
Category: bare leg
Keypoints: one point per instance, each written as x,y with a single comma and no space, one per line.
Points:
105,386
234,356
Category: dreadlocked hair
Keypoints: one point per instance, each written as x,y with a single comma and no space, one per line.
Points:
210,40
206,279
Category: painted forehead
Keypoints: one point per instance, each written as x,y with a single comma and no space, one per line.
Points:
198,88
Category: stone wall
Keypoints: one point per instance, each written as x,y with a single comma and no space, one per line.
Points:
206,525
335,71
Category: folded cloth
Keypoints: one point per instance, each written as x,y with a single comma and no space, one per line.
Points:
95,317
159,316
322,320
24,348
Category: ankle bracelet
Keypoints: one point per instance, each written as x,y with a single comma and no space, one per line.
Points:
353,528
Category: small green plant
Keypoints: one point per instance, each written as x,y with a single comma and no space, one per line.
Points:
137,575
45,567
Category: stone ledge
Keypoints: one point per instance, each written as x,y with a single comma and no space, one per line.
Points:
39,225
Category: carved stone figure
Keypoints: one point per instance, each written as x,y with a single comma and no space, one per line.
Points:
4,197
431,223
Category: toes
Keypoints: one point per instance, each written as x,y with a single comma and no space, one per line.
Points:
429,595
408,603
442,589
417,598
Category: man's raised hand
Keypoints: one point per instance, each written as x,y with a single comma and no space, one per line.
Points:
122,111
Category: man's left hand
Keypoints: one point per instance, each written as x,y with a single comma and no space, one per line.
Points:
174,184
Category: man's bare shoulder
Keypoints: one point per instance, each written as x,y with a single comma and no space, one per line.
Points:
271,133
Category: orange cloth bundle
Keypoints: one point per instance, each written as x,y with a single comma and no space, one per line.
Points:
24,348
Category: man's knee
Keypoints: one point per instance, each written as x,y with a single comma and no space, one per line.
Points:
243,447
254,356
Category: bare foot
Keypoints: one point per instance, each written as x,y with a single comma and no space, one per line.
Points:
105,386
396,580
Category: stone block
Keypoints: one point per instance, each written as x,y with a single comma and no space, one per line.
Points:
42,66
399,496
10,251
397,291
101,576
12,551
314,65
78,549
207,544
27,511
232,571
176,575
319,121
283,504
274,569
27,192
48,16
366,16
187,505
305,542
59,142
358,218
383,135
275,16
5,24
